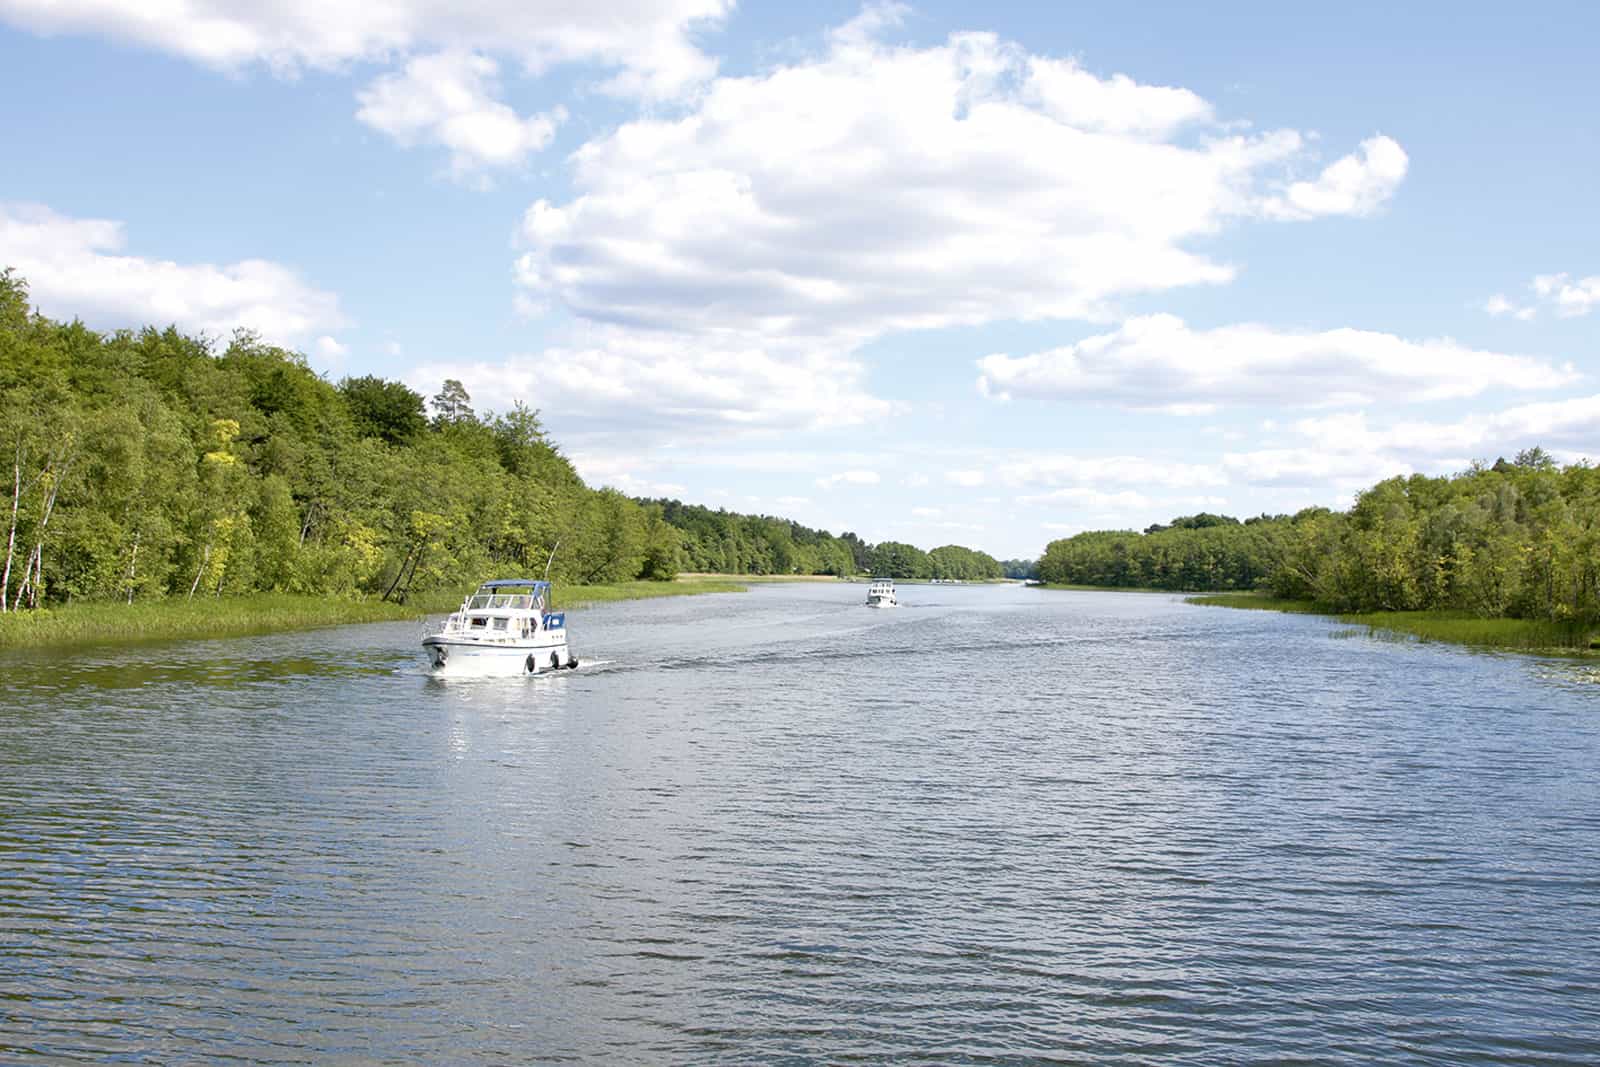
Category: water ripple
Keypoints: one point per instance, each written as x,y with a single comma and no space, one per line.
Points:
997,826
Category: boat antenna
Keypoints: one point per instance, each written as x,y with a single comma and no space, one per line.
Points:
552,559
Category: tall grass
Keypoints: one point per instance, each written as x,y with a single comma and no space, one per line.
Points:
205,617
1455,627
101,623
577,596
743,579
1258,602
1071,587
1462,628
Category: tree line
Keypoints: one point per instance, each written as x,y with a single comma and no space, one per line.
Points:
725,541
1518,538
149,463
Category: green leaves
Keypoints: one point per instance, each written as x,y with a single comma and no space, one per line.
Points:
1517,539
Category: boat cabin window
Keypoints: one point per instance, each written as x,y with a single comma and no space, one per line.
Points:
500,624
485,601
478,622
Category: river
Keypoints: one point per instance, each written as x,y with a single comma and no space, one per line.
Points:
997,825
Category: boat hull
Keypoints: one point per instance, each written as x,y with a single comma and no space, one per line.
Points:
450,655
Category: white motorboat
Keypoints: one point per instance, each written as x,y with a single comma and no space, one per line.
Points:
505,627
880,594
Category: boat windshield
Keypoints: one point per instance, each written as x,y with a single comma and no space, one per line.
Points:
517,602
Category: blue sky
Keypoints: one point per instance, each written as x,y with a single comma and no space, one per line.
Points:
932,273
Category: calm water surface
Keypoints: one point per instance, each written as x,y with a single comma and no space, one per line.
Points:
997,825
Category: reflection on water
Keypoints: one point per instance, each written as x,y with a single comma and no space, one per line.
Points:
994,825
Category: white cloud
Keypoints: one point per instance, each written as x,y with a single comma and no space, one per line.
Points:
609,380
1358,184
623,473
1308,468
1023,470
75,269
1567,296
1569,425
1498,305
329,348
1570,297
848,478
916,481
649,45
1157,362
928,513
793,501
1118,104
967,479
875,188
1092,500
1345,452
448,99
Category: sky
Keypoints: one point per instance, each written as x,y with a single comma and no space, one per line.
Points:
940,273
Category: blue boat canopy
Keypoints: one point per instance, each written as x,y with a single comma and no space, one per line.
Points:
517,583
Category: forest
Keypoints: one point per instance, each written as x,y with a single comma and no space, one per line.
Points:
730,543
1511,539
148,463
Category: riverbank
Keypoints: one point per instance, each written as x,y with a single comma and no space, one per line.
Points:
1067,587
115,623
724,576
1455,627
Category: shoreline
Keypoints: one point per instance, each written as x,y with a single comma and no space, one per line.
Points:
1069,588
1526,636
262,613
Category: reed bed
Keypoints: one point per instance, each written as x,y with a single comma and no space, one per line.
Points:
1455,627
116,623
577,596
94,623
1463,628
1258,602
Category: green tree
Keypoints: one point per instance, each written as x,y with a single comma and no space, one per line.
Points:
385,410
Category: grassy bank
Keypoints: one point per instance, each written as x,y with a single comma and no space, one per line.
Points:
81,624
1455,627
77,624
577,596
746,579
1070,588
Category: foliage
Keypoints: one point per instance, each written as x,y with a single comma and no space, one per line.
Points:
88,623
1230,555
725,542
1517,540
1457,627
144,464
141,465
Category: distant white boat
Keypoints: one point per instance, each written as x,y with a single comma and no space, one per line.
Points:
880,594
503,628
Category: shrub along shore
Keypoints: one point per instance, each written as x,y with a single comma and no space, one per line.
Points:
1560,637
236,616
